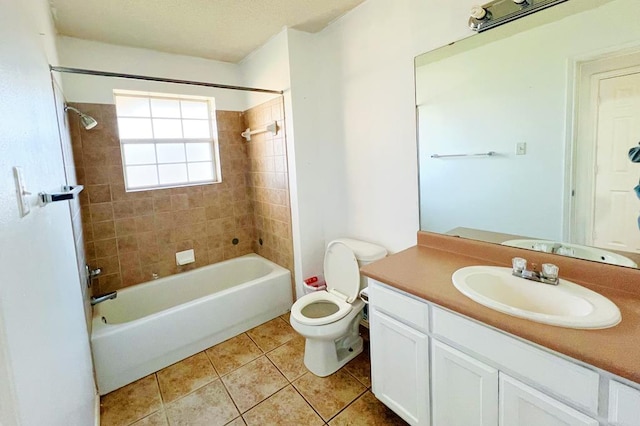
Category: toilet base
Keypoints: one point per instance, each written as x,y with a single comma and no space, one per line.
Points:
324,358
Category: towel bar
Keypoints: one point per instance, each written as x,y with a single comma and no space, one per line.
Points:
484,154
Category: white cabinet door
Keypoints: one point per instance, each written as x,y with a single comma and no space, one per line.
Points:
464,390
400,368
624,405
521,405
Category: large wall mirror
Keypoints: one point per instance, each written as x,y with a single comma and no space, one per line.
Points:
524,133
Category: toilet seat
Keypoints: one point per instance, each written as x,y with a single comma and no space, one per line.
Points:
343,283
319,296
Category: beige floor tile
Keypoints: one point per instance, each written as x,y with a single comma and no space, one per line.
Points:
233,353
159,418
360,368
184,377
328,395
272,334
286,407
130,403
289,358
286,317
367,410
253,383
236,422
209,405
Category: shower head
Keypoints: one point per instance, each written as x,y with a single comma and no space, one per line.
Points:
87,121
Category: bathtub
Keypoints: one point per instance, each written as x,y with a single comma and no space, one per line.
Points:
152,325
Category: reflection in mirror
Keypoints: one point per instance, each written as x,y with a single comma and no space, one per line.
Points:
555,99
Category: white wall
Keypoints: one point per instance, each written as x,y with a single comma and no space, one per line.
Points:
77,53
370,162
46,374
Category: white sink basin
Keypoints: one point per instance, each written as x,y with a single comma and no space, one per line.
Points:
565,305
574,250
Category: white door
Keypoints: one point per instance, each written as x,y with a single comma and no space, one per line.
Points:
400,368
464,390
616,207
521,405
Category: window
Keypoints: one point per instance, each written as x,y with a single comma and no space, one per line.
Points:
167,141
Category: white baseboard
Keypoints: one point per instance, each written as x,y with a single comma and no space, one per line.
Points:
97,410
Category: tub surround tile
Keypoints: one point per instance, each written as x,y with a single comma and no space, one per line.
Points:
253,383
360,367
182,378
159,418
329,395
209,405
166,216
367,410
233,353
272,334
284,407
289,358
131,403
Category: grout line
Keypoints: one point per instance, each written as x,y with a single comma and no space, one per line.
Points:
307,402
360,395
224,386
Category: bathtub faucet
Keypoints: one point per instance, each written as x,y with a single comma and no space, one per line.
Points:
107,296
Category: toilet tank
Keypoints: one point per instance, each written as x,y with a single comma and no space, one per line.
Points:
365,253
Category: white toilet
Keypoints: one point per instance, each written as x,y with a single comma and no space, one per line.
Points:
330,319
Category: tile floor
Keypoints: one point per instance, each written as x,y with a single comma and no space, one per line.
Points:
255,378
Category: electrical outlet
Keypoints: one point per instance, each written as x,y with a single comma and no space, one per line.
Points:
521,148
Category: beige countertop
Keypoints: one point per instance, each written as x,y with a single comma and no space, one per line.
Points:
425,271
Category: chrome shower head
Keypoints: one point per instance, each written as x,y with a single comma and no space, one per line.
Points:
87,121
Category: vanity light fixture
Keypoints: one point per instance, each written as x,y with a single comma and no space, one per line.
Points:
500,12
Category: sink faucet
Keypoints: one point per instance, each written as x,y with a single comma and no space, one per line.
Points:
103,297
548,275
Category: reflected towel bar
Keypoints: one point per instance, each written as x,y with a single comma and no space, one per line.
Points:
484,154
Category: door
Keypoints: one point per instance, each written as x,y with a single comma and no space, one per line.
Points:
521,405
616,207
400,368
464,390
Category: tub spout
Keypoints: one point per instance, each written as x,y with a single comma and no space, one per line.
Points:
107,296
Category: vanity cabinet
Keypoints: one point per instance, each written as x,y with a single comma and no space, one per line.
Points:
400,354
464,390
624,405
521,405
479,375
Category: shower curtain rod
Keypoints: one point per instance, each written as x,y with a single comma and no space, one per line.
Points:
160,79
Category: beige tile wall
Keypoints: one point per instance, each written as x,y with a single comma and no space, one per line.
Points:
133,235
268,184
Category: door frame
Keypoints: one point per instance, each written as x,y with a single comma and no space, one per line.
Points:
580,175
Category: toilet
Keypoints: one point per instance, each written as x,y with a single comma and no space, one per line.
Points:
329,320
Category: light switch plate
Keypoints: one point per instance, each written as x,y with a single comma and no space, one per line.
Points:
521,148
21,192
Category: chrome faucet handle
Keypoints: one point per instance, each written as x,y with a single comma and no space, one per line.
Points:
550,271
519,264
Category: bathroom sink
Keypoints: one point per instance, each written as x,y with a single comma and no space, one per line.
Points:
573,250
565,305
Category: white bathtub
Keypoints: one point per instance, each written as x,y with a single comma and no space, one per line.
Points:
152,325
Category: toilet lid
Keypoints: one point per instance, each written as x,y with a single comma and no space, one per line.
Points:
341,271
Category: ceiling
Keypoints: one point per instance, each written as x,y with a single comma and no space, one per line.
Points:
223,30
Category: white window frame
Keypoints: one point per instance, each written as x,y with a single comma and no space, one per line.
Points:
213,141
